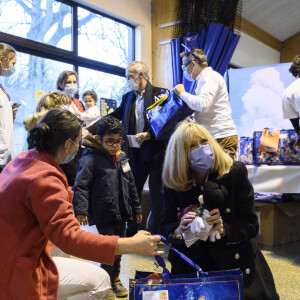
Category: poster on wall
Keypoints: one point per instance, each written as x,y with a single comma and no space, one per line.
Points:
255,96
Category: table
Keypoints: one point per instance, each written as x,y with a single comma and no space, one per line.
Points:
274,179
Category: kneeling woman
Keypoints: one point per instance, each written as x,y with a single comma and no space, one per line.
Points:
192,158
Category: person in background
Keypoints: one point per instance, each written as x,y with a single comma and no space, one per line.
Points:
8,60
105,191
193,158
291,96
40,200
92,113
210,102
67,82
148,159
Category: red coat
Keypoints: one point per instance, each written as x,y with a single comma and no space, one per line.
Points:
35,208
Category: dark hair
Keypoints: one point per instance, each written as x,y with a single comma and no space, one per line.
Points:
63,78
109,125
90,93
53,129
295,66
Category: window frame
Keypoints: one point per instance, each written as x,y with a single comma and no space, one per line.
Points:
51,52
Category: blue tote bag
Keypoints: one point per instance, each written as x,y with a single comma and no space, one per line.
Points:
164,115
216,285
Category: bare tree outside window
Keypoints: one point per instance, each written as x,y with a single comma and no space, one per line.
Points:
50,22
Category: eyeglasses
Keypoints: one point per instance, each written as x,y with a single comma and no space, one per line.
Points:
112,142
185,65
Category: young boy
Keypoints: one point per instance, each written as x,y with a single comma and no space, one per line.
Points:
92,113
105,191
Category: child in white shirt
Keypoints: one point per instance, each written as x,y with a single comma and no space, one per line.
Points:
92,113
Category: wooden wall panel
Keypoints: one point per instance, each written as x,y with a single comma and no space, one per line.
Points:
290,48
163,13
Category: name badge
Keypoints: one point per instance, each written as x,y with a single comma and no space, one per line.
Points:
126,167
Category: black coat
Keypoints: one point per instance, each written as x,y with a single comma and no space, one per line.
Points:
151,151
103,191
238,249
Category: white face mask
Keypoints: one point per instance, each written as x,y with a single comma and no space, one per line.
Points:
71,89
187,75
132,84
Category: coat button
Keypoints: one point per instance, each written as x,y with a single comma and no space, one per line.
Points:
247,271
227,210
237,256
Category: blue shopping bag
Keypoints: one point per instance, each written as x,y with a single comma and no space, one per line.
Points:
164,115
216,285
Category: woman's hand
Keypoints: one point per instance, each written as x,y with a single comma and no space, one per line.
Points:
143,243
185,220
82,219
216,220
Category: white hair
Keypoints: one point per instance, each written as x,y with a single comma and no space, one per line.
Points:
138,67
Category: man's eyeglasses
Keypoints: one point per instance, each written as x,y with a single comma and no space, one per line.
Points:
185,65
112,142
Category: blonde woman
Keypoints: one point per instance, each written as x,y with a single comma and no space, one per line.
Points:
193,158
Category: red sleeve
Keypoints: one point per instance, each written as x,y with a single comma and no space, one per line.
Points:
50,204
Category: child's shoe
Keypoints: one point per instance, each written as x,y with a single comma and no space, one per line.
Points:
118,288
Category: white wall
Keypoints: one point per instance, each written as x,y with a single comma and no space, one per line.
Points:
252,53
135,12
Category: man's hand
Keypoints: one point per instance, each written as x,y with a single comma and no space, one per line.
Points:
179,89
139,218
142,137
82,219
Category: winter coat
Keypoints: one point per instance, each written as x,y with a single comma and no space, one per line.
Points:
238,249
104,191
35,208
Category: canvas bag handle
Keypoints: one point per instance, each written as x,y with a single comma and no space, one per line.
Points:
162,263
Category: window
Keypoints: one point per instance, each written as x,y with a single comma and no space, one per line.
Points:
52,36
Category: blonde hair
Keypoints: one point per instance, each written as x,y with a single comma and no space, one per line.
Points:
138,67
176,168
7,52
51,100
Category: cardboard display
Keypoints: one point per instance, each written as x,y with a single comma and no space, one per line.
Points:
279,223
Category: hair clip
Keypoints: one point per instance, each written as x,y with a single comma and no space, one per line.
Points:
190,51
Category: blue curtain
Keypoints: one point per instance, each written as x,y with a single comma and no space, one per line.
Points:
218,44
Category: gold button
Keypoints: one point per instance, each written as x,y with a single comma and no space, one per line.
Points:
227,210
247,271
237,256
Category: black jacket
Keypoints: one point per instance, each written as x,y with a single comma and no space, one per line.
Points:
103,191
238,249
151,151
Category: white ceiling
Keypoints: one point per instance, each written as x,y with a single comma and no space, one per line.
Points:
280,18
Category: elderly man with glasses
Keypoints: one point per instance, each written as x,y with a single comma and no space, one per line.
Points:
146,159
210,102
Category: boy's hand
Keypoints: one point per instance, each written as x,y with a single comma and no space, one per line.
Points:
82,219
139,218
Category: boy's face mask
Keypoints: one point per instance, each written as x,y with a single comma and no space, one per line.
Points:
202,159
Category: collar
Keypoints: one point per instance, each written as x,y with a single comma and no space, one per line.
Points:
138,96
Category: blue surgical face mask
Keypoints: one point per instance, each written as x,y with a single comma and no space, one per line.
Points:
202,159
71,89
70,157
187,75
8,72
